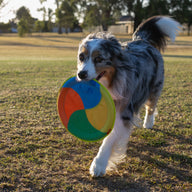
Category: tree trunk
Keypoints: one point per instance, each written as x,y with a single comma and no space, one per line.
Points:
137,22
106,19
104,27
188,29
59,29
59,25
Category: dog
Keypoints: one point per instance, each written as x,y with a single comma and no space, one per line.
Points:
134,75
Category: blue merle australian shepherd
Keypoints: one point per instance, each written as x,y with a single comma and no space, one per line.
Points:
133,74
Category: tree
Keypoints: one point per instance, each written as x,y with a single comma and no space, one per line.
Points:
50,15
139,13
59,13
59,24
59,16
141,9
23,27
157,7
100,12
107,10
25,24
135,8
39,26
92,16
23,12
182,11
65,15
2,4
46,13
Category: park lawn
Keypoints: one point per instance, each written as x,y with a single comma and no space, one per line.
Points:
38,154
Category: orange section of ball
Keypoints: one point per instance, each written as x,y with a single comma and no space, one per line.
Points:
69,101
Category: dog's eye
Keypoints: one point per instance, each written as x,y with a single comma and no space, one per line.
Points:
98,59
81,57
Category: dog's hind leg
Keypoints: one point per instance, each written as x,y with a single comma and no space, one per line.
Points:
151,111
112,150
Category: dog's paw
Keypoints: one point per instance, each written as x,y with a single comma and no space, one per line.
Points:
148,122
97,168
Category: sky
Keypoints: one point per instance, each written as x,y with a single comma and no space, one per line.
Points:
8,12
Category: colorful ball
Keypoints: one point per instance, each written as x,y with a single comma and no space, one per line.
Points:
86,109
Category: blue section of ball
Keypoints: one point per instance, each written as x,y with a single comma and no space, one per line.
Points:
89,91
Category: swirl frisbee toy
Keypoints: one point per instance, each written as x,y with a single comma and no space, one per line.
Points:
86,109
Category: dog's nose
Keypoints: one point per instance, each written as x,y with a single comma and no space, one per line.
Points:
82,74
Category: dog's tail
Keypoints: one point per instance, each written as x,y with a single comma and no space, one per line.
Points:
157,30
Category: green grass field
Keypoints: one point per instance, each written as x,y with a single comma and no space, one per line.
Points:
38,154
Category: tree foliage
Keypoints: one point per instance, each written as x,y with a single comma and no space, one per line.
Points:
47,13
2,3
25,24
91,13
39,26
135,8
105,12
141,9
23,27
24,13
100,12
65,15
157,7
182,11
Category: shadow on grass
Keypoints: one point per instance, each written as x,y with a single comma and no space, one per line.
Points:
67,39
116,183
165,160
179,137
73,47
179,56
182,43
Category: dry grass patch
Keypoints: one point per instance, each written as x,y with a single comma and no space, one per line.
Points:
38,154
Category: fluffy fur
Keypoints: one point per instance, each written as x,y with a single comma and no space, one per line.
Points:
134,75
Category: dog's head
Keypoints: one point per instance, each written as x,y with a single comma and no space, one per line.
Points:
96,57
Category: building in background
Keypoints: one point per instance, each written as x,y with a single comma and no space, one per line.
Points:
125,25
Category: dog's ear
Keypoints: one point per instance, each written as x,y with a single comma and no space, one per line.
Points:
111,44
113,47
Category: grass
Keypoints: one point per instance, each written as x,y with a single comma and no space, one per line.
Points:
36,152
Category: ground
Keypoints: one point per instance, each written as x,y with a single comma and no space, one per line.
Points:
38,154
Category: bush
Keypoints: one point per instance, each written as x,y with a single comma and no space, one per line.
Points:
24,27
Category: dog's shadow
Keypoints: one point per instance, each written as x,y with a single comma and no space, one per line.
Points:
121,184
128,182
142,151
116,183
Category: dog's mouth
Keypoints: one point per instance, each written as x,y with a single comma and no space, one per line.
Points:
100,75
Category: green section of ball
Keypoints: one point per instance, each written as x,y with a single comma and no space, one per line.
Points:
80,127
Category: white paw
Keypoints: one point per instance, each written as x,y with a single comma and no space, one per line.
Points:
97,168
148,122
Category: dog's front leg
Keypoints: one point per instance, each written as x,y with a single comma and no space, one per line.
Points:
113,148
100,162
